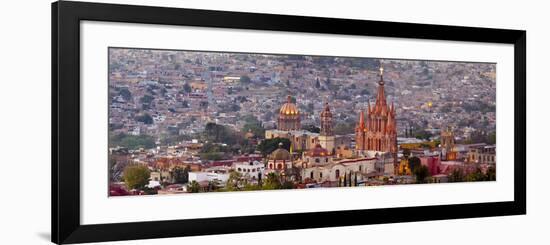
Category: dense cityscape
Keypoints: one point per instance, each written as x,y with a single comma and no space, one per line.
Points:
188,121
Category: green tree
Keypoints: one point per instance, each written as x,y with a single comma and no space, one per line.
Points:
311,128
422,134
213,185
181,175
477,175
456,176
287,185
187,88
254,125
126,94
345,180
491,138
421,173
234,181
245,79
131,142
212,156
272,182
414,163
491,173
136,176
145,118
193,187
251,187
146,99
269,145
219,133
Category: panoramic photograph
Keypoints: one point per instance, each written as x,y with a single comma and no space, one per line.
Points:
184,121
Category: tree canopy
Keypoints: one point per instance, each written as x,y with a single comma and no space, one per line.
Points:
414,163
421,172
253,125
269,145
145,118
132,142
136,176
181,175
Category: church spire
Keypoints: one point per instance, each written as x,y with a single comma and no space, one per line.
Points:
326,121
381,82
380,95
361,119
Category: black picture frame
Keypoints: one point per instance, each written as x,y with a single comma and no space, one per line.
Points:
65,200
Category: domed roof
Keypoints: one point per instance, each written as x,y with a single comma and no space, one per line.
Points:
318,151
289,108
280,154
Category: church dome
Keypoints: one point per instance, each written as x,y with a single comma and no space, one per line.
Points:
280,154
289,108
318,151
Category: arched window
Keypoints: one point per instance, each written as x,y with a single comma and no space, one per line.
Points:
321,175
239,169
311,175
279,166
337,173
360,168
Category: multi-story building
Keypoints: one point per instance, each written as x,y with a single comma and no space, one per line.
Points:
484,154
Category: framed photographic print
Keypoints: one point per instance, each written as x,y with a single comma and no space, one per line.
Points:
177,122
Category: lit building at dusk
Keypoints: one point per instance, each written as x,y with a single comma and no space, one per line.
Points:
377,131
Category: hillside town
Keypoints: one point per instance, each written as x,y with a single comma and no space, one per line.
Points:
188,121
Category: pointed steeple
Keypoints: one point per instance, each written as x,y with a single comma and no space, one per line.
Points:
380,95
381,82
361,119
369,110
